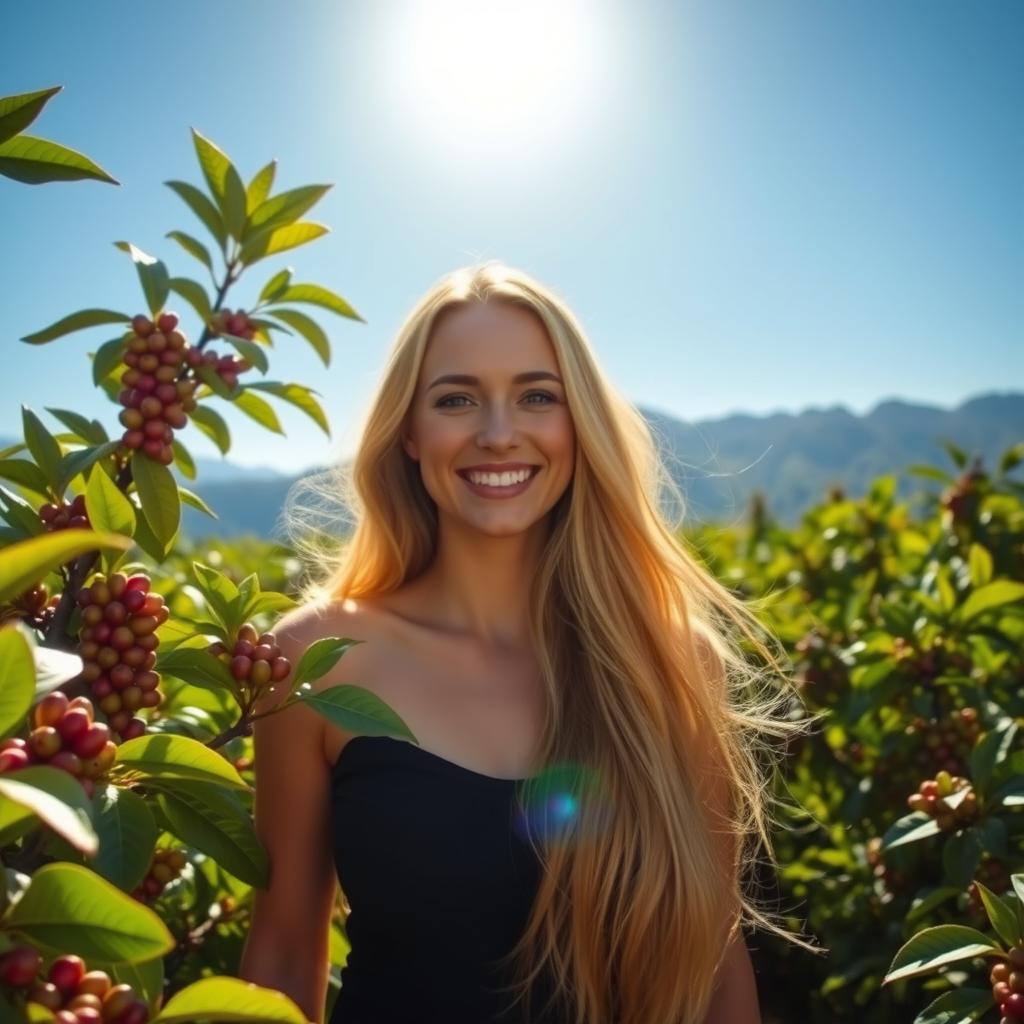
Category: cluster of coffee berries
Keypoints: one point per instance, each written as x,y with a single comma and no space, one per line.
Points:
63,736
237,324
995,876
948,742
118,647
1007,978
931,798
890,878
962,499
71,993
255,660
66,515
226,367
156,401
165,867
35,605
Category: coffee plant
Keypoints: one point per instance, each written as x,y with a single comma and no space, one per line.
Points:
129,673
901,838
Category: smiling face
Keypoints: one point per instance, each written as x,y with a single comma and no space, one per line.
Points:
512,413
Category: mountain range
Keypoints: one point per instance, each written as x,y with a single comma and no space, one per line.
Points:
792,459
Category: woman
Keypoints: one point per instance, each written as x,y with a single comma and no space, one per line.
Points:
565,842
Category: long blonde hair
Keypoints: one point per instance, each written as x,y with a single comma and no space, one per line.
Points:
642,669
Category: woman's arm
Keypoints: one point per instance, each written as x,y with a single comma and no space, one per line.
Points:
735,997
287,947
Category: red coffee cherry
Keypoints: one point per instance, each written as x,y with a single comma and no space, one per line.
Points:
66,972
19,966
50,709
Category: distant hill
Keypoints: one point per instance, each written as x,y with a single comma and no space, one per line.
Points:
792,458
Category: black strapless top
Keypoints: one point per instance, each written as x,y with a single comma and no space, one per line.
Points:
435,864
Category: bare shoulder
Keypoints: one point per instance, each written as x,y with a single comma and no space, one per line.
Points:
303,626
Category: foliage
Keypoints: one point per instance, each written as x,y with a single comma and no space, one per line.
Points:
126,836
907,635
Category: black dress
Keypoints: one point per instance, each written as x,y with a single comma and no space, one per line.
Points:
440,878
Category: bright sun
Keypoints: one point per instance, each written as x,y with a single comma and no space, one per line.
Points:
480,79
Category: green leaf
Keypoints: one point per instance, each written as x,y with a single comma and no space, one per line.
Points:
166,757
201,206
17,680
319,296
152,275
76,322
90,431
194,294
957,454
1012,457
961,856
299,396
225,184
956,1007
53,668
25,474
34,161
320,657
259,188
80,460
107,506
193,499
269,243
28,561
193,247
199,668
221,594
19,513
55,798
308,328
18,112
213,162
69,909
980,561
268,601
356,710
993,595
43,446
249,350
259,410
992,749
158,494
214,820
910,829
935,947
127,834
229,999
212,424
278,283
1001,915
284,208
183,459
107,357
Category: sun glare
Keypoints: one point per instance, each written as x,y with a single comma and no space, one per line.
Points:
475,80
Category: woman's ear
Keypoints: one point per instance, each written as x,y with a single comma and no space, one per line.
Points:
411,448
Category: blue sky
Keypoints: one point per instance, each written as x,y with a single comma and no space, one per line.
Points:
749,206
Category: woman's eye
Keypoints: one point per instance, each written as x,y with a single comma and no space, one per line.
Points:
448,399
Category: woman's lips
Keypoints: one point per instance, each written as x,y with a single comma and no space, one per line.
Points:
485,491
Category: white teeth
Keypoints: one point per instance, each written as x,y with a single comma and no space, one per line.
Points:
500,479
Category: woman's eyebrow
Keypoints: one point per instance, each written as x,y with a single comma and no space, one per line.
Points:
520,378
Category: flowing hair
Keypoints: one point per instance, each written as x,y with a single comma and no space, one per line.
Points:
650,699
